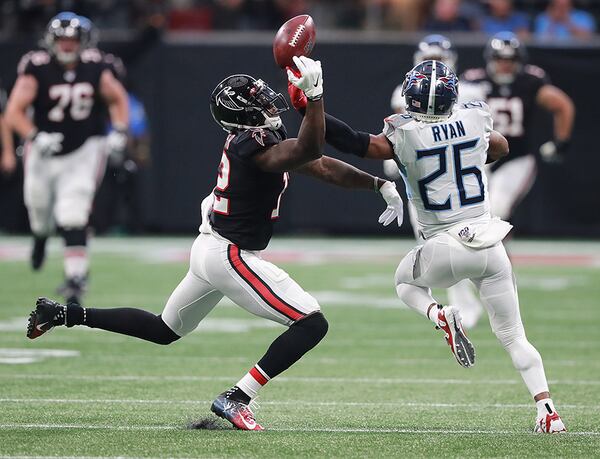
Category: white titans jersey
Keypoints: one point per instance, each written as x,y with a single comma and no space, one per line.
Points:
443,165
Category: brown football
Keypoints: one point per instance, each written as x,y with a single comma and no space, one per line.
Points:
294,38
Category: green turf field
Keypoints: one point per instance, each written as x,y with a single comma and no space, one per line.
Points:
382,384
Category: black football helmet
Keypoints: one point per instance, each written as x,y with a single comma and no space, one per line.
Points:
69,25
243,102
430,90
504,46
436,47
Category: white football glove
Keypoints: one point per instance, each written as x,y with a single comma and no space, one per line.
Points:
47,143
311,79
395,206
554,151
116,142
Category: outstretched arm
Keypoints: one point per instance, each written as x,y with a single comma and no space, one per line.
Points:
336,172
557,102
292,153
344,138
498,147
341,174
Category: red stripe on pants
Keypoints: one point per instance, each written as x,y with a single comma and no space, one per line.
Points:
260,286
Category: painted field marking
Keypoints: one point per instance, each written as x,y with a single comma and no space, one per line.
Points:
311,379
508,406
289,429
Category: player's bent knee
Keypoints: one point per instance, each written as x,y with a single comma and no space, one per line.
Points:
523,354
315,325
163,334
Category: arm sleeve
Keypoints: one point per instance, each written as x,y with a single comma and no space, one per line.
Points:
344,138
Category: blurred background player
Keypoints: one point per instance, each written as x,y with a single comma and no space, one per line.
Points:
70,85
436,47
8,159
512,89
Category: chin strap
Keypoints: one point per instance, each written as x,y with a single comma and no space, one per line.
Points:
271,122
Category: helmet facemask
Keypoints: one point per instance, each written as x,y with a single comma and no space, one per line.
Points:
69,26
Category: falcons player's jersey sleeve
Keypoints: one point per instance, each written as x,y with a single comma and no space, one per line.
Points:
32,62
536,78
250,142
115,65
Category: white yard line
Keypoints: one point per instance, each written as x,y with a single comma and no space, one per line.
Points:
288,429
282,379
508,406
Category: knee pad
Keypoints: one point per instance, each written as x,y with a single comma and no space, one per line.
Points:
314,325
73,211
408,269
523,354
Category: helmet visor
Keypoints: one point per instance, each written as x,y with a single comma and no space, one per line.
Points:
268,100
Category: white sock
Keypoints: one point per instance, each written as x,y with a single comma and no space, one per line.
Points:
253,381
76,261
542,407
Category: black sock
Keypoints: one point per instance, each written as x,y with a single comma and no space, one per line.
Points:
292,344
237,394
127,321
75,315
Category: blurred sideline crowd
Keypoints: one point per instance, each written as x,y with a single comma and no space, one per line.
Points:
541,19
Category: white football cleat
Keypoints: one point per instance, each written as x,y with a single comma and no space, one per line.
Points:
449,322
551,423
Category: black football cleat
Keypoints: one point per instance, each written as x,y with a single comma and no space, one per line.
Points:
238,413
47,315
38,252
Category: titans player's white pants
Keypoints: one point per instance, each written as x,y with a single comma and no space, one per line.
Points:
509,184
219,268
60,189
441,262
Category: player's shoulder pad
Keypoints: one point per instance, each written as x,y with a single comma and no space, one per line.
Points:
33,59
397,120
91,56
535,71
473,74
251,141
475,104
115,64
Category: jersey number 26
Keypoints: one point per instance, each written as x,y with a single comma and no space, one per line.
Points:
459,174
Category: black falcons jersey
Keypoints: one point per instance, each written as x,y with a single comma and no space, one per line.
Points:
512,105
69,101
247,198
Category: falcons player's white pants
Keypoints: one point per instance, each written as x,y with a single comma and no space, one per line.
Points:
509,184
60,189
219,268
441,262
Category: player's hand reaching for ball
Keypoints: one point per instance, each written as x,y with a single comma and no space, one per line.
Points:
310,80
297,97
395,206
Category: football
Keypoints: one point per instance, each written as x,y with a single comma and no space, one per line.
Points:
296,37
